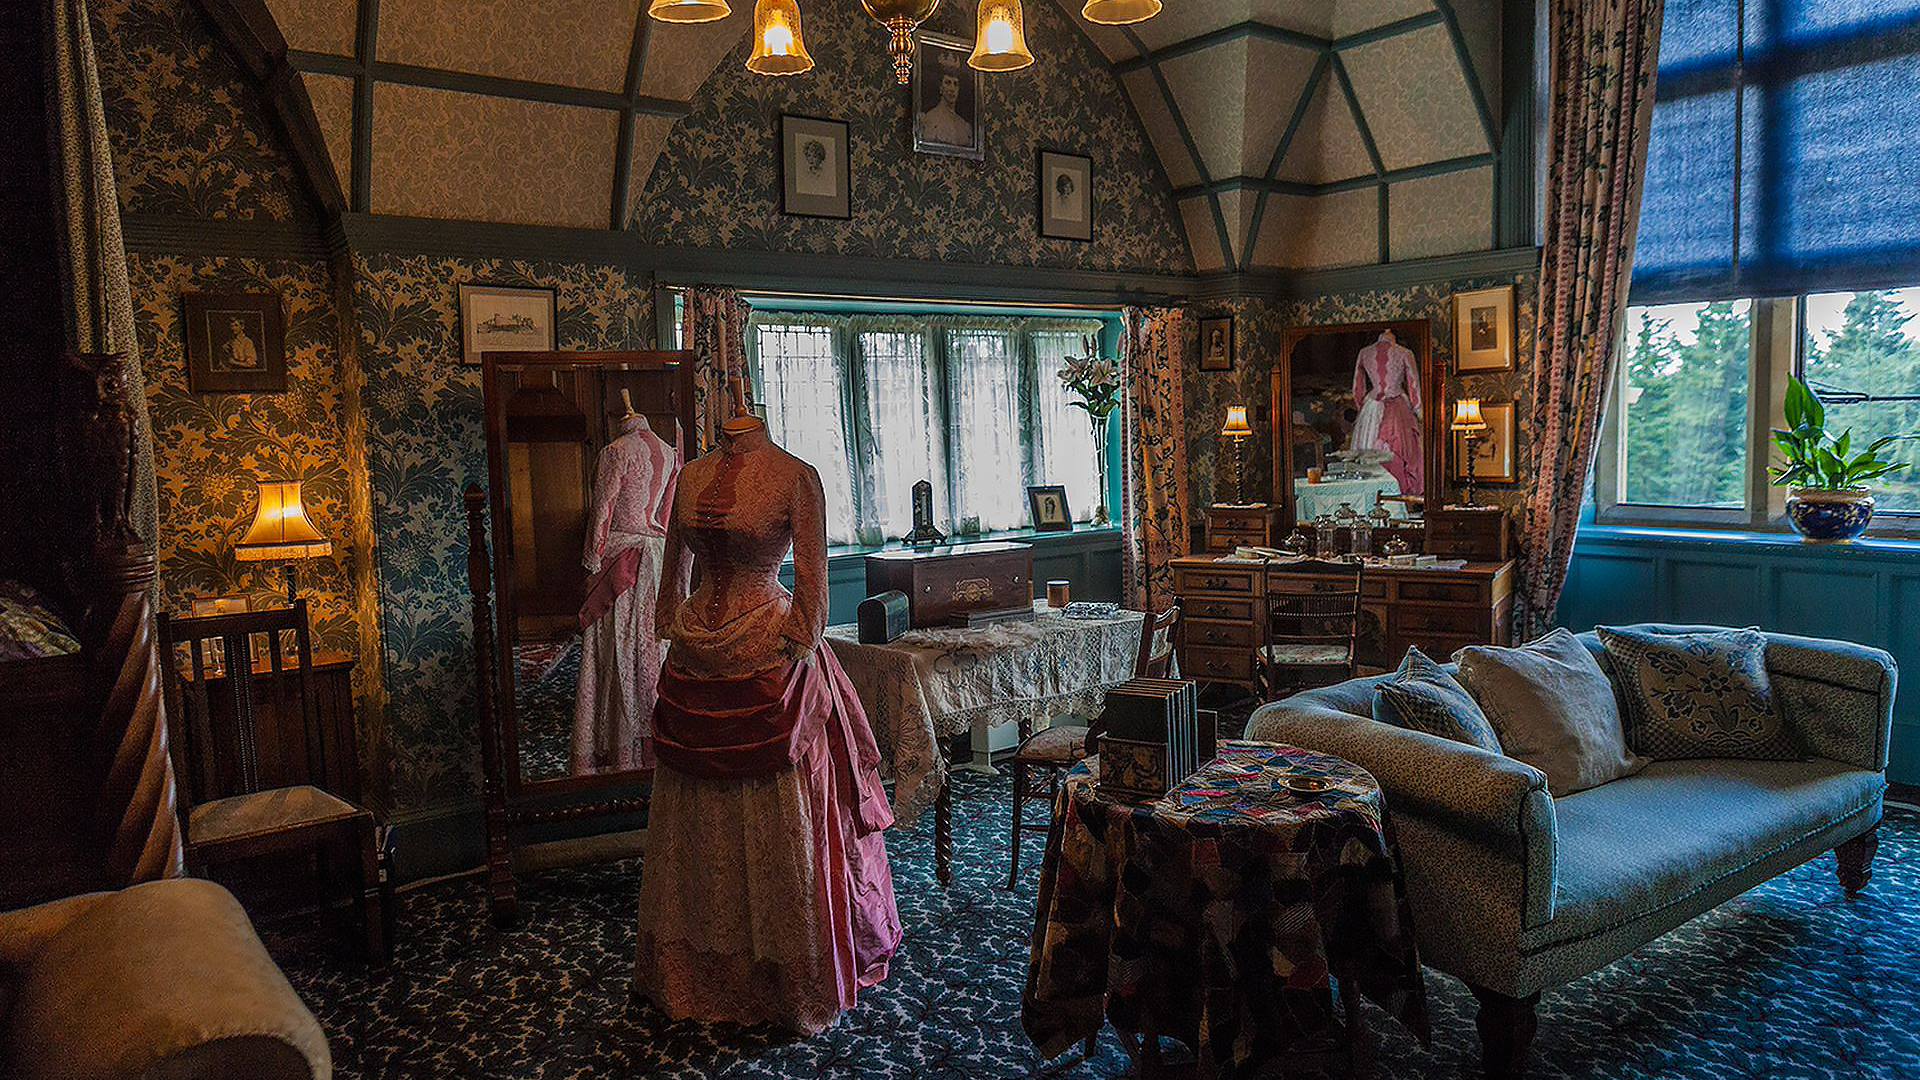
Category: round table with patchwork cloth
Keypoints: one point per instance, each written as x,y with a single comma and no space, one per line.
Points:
1220,913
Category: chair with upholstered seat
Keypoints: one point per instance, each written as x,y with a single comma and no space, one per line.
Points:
1311,629
1056,748
228,809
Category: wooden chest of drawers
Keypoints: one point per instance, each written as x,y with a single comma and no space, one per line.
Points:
1438,610
1469,532
1229,527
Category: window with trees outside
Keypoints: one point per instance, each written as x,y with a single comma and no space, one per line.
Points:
970,403
1775,239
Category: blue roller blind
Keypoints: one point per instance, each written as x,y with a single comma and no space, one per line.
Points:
1783,153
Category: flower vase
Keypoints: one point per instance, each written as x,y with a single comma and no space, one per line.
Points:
1100,515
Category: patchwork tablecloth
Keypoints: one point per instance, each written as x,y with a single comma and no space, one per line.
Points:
1217,913
932,684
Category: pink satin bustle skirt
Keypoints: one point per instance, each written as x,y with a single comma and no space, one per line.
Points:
765,897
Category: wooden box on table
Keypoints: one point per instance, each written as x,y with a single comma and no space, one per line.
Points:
950,579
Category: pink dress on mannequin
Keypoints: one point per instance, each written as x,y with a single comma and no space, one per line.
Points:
619,649
1386,387
765,893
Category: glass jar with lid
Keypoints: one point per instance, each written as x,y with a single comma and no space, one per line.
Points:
1356,534
1326,536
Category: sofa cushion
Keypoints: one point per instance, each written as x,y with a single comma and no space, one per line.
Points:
1628,848
1698,695
1422,695
1553,708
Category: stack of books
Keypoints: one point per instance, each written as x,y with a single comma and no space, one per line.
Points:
1153,736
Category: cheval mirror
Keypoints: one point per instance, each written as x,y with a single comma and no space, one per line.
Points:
549,415
1360,404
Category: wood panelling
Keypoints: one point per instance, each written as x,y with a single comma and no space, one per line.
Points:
1863,592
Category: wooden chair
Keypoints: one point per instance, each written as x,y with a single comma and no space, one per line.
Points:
1310,634
1054,750
226,810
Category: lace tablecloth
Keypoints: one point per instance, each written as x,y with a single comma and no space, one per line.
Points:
1216,913
929,685
1325,497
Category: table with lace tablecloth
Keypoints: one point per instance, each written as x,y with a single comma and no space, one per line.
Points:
931,685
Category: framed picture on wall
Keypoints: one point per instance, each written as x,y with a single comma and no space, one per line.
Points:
947,117
1483,329
1497,460
1049,504
235,343
1216,343
504,318
1066,195
813,167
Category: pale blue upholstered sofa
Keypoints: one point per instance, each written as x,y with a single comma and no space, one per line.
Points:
1514,891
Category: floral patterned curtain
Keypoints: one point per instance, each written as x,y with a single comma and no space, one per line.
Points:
1603,56
1154,349
714,327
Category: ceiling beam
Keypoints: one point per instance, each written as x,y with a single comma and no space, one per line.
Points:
1253,28
365,43
1224,238
623,144
1300,107
392,71
1329,187
1467,69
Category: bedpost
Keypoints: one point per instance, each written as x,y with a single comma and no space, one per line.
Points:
500,886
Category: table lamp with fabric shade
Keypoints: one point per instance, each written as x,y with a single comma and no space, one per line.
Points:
1236,429
1472,428
281,530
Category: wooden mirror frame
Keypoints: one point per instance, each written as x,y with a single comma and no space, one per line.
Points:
510,799
1416,335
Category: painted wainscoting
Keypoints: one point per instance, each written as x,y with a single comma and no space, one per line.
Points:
1867,592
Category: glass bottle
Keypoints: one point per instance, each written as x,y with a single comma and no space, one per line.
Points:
1356,534
1326,536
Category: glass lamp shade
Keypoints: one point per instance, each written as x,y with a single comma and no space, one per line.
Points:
1119,12
1466,415
1000,42
778,48
1236,421
281,529
688,11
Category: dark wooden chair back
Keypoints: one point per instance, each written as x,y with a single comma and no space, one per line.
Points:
215,759
1159,644
1320,614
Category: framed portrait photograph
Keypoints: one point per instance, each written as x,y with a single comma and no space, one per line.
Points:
504,318
1049,504
813,167
1483,329
236,343
1496,461
1216,343
946,99
1066,195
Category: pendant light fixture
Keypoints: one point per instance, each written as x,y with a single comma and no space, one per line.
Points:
688,11
777,46
1000,38
902,18
1119,12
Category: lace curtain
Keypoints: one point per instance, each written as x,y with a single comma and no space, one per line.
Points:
883,401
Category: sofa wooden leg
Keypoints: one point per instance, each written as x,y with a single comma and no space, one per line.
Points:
1856,861
1506,1026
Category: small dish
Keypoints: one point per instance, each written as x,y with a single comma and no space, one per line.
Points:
1308,785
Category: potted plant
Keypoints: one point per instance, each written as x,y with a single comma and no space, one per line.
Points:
1829,499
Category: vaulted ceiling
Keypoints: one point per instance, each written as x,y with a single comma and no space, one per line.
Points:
1295,133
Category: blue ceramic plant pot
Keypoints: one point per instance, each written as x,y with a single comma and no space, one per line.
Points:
1829,514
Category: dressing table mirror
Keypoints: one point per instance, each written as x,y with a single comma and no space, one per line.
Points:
549,418
1356,419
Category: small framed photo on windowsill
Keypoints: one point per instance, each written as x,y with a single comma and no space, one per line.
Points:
1049,504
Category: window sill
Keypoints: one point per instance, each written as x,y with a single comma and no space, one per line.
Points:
1865,547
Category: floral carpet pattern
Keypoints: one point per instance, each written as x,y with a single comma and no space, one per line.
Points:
1786,981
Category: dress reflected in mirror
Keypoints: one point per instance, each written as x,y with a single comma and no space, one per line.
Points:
620,652
1386,388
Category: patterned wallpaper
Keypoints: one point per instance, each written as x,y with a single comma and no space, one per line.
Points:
716,182
425,439
1259,326
189,136
210,448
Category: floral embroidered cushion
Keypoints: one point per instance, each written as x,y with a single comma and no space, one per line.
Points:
29,627
1422,696
1703,694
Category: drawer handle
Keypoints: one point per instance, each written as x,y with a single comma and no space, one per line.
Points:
1219,583
1215,635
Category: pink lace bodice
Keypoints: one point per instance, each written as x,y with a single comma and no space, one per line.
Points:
632,491
1389,367
738,509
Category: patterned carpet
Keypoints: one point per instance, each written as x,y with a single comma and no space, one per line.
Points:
1788,981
